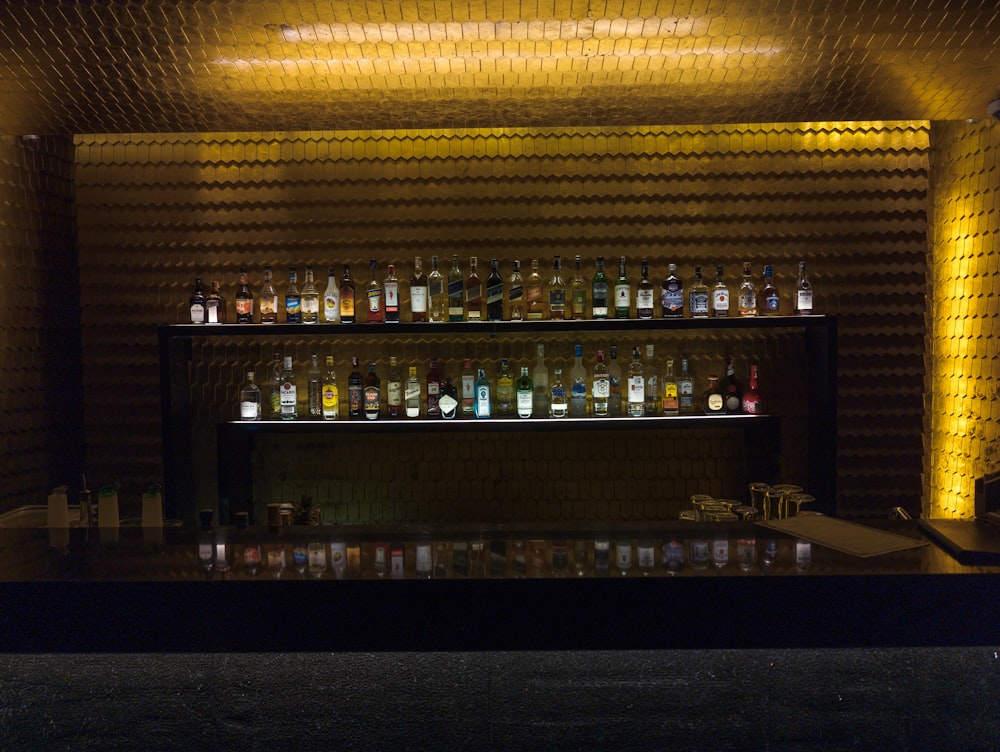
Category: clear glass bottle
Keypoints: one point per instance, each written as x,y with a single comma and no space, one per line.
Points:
515,294
559,403
310,299
433,389
685,390
803,292
636,386
614,384
533,293
418,292
314,387
372,394
599,292
277,368
390,287
557,292
671,402
540,379
331,298
494,293
484,399
412,394
375,308
644,296
769,295
355,390
652,385
746,295
468,388
267,301
753,400
720,294
505,390
623,292
215,306
672,294
393,390
474,292
456,291
437,293
293,300
524,394
244,299
348,309
331,394
577,292
288,395
578,384
600,386
250,399
699,296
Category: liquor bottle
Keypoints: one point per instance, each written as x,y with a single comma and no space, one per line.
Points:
671,402
494,293
614,384
372,393
215,306
515,294
672,294
685,390
289,393
600,386
331,394
732,389
769,294
644,294
448,401
244,299
391,288
746,295
375,308
277,368
474,292
433,389
310,299
524,394
250,399
623,292
713,401
394,390
720,294
534,302
468,388
599,292
293,300
484,401
558,402
577,292
418,292
540,379
753,400
437,298
653,398
412,394
347,307
314,388
505,390
557,292
355,389
803,293
636,386
578,385
267,302
699,296
331,298
456,303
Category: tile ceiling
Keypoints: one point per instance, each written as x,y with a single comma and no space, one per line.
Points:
246,65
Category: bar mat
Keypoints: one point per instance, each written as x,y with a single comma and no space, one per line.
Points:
969,541
840,535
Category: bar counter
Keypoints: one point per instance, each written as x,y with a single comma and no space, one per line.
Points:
150,590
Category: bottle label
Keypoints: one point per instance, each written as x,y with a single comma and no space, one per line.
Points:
418,299
331,398
636,389
670,401
516,292
771,302
579,302
524,404
293,304
287,397
244,307
534,293
557,300
412,392
447,404
374,301
494,293
601,388
394,394
212,311
805,301
483,401
249,410
474,293
392,295
355,398
373,398
578,390
720,302
310,306
198,314
715,403
622,294
347,303
672,299
699,304
644,300
468,389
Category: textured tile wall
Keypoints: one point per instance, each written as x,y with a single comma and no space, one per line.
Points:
41,440
962,436
154,211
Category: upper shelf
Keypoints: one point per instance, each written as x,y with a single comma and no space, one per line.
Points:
492,328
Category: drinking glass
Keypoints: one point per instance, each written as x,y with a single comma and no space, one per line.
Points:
778,496
798,499
758,497
746,553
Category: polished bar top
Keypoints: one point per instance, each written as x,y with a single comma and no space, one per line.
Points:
179,589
